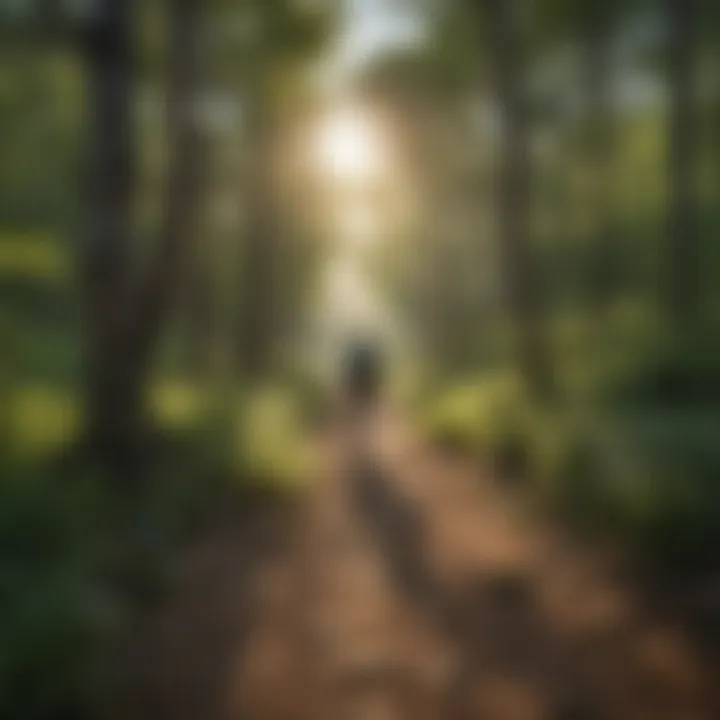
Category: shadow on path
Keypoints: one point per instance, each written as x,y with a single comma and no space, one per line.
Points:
510,658
175,663
493,623
341,610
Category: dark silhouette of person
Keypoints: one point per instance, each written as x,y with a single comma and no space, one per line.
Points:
363,372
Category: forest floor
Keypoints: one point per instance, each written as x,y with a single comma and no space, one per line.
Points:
404,585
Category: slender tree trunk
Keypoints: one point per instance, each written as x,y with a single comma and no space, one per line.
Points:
596,32
109,191
258,258
182,192
682,290
520,281
199,310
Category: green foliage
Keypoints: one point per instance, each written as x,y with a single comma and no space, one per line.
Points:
310,396
650,479
59,609
271,444
297,28
639,463
629,446
179,405
76,555
487,418
34,258
40,420
672,375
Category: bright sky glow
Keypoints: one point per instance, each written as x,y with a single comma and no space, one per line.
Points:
349,146
371,27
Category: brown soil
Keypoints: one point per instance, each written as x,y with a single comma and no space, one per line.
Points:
405,586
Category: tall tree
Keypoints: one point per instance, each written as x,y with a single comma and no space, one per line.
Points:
182,192
596,23
110,169
500,32
260,242
591,26
126,316
682,291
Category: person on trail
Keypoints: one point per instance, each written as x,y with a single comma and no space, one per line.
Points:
361,384
363,373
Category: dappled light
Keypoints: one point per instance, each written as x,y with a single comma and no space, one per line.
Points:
359,360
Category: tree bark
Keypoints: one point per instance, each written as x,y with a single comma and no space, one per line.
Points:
682,290
258,272
182,191
520,282
124,325
109,180
596,31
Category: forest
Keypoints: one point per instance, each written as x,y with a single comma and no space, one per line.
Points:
204,203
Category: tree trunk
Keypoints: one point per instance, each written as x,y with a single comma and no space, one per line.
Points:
125,327
682,291
109,191
258,270
182,192
519,279
596,31
199,310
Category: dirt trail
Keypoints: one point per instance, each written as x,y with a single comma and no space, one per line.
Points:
405,586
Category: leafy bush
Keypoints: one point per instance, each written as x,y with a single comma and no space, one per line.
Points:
642,466
669,375
270,439
309,395
488,418
59,606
